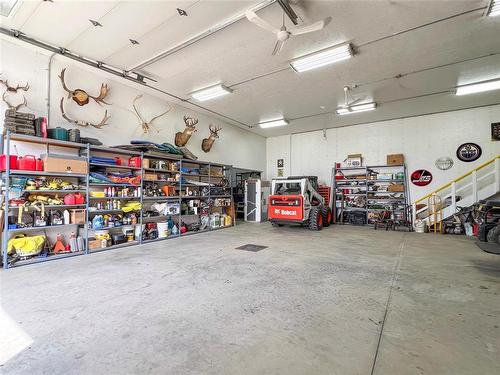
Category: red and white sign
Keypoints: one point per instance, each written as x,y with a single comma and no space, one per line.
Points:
421,177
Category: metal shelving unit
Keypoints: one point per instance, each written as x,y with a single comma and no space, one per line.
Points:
86,150
366,185
6,144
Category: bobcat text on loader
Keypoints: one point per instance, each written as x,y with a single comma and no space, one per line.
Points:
294,200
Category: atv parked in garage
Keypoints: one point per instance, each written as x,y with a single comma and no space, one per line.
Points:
294,200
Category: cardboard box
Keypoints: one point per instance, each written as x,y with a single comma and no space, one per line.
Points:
77,216
94,244
395,159
396,188
64,164
354,160
150,177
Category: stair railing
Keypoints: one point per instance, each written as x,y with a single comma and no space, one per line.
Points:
479,183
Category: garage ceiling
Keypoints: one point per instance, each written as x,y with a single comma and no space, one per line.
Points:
409,54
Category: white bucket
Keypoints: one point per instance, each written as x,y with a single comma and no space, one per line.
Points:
420,226
162,229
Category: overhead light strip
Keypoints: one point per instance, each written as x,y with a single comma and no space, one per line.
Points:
273,123
356,108
321,58
478,87
211,92
494,9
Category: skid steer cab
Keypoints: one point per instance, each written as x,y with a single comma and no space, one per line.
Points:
294,200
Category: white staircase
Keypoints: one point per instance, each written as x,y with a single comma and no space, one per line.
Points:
482,182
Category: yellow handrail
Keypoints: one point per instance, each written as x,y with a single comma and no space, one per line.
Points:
457,179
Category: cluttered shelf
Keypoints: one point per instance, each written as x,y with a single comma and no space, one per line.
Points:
102,168
363,193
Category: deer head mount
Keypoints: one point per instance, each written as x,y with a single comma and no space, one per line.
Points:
12,106
81,97
26,87
147,125
84,123
207,143
181,138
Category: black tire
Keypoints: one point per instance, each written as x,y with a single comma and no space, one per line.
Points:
276,225
327,216
494,235
316,218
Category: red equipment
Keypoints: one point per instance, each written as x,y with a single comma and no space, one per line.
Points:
27,163
134,161
3,162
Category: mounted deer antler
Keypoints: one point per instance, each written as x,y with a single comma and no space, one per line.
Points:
26,87
207,143
181,138
80,96
11,106
84,123
146,125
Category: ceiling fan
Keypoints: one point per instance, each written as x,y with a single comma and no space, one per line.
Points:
282,34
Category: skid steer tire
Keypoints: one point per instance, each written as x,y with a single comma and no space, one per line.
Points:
494,235
327,216
316,218
276,225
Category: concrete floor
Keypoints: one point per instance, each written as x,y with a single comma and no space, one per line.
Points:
312,303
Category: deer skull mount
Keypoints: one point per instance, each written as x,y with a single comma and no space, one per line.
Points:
147,125
207,143
14,90
81,97
84,123
181,138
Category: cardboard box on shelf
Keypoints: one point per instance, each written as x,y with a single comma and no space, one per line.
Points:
77,216
64,164
395,159
396,188
150,177
354,160
94,244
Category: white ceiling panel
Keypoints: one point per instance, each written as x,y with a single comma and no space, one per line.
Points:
60,22
201,16
128,20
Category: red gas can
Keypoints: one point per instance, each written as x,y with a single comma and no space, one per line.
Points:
3,162
39,164
27,163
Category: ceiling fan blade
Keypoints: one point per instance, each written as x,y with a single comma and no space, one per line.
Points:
278,47
310,28
255,19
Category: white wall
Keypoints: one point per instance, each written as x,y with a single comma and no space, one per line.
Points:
421,139
21,63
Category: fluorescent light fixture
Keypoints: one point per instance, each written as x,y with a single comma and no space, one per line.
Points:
273,123
478,87
322,58
494,9
211,92
356,108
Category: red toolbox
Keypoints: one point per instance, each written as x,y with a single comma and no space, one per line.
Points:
3,162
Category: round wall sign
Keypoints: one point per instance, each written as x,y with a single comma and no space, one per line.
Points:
421,177
444,163
468,152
